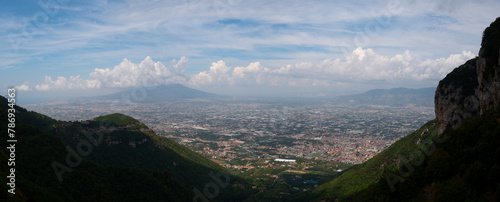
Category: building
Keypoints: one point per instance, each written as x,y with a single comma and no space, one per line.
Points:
285,160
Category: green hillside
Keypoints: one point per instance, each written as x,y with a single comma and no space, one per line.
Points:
370,172
459,165
121,160
466,167
117,119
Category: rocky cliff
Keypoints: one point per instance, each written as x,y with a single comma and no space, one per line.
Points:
488,68
472,88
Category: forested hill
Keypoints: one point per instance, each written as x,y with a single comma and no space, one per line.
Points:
109,158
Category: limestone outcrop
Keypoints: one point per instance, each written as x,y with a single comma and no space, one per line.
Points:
472,88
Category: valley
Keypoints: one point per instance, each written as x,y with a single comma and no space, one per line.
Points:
249,137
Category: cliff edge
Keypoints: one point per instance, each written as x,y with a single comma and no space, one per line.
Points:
472,88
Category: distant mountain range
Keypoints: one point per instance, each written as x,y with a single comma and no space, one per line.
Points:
161,93
396,97
176,92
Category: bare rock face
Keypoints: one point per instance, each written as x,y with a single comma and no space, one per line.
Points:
472,88
488,68
456,98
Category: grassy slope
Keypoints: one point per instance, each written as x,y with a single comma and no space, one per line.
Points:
133,144
464,167
114,172
362,176
36,180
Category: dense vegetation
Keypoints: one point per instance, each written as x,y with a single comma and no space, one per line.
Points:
129,163
491,44
116,119
461,164
464,168
364,175
464,76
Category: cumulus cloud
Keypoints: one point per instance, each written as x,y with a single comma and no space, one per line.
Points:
253,73
23,87
217,75
62,83
125,74
146,73
365,64
361,65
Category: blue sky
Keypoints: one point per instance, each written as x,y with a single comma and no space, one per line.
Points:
65,48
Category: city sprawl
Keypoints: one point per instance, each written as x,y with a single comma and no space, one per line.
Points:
245,134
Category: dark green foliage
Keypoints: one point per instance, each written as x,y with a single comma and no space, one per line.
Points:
463,168
491,44
497,156
494,175
497,192
464,76
371,172
452,191
476,176
116,119
438,165
140,168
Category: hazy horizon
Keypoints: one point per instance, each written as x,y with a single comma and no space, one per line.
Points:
41,97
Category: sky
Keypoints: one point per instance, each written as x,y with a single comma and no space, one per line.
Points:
54,49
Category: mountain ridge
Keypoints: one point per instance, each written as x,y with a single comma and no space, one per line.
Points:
397,97
162,93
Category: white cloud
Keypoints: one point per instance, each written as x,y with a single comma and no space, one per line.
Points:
438,68
126,74
252,74
217,75
62,83
146,73
362,65
365,64
23,87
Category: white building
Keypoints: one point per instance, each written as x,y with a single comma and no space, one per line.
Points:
285,160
